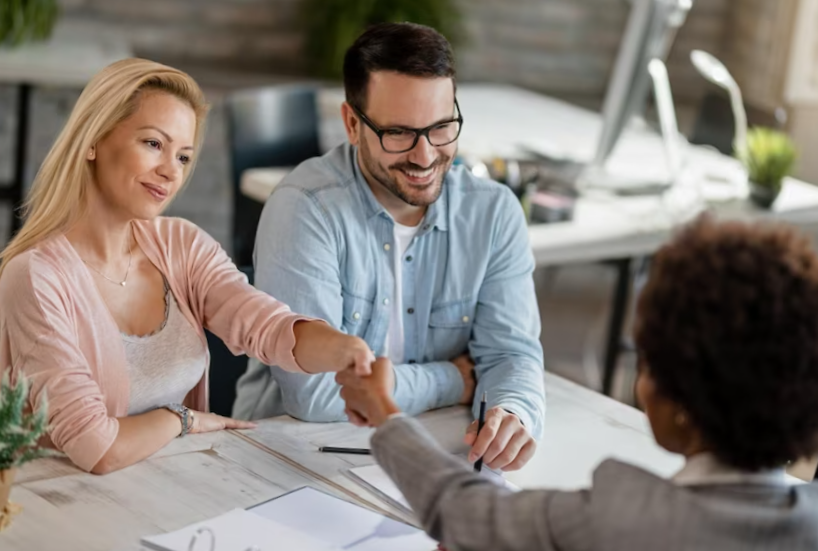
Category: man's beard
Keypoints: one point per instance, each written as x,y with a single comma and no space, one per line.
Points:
406,193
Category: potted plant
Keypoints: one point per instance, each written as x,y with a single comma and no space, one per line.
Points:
769,156
24,20
20,432
333,25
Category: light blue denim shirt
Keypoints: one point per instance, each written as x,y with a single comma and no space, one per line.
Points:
324,247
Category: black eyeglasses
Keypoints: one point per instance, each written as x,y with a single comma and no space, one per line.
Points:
401,140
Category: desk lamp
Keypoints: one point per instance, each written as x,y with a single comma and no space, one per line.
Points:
714,70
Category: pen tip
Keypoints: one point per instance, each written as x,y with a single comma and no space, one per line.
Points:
485,395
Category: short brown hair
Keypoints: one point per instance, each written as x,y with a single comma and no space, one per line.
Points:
728,326
405,48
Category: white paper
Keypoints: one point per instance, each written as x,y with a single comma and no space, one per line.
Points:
343,524
238,530
375,477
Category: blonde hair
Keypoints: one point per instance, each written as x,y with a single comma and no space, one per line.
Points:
57,197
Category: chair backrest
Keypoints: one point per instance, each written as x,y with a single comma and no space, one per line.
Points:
276,127
225,370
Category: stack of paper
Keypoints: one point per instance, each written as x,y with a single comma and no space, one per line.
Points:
237,530
340,523
302,520
374,479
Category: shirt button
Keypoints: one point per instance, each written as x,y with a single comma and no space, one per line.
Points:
411,311
386,302
409,258
426,226
386,246
466,319
356,316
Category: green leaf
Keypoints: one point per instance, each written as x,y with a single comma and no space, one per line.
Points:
769,156
333,25
20,427
26,20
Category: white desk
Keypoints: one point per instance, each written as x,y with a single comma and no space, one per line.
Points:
201,476
582,428
192,479
64,62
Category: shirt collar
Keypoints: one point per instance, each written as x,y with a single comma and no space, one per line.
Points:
437,214
706,469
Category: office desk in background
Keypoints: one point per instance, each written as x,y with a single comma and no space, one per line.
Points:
505,121
203,475
68,62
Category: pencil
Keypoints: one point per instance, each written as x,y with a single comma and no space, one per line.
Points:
478,465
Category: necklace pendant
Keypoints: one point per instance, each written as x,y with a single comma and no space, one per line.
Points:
122,283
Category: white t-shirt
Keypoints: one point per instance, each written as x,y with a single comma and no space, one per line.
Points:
394,338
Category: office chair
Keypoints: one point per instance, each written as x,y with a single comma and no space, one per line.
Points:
225,369
266,127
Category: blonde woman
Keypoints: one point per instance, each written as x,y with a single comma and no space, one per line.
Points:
103,302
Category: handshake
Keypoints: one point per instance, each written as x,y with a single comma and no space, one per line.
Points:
367,386
503,443
368,396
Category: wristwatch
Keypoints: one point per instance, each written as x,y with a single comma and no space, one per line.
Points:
185,414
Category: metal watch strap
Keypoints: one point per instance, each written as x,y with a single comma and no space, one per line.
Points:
184,414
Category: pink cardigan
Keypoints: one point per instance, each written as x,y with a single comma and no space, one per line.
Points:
56,330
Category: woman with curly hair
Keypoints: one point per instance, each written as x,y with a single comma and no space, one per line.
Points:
727,331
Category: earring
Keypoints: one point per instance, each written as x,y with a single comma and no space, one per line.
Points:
680,418
92,154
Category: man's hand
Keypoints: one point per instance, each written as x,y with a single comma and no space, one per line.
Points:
504,443
369,398
465,366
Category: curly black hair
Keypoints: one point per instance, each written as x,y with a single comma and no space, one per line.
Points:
728,326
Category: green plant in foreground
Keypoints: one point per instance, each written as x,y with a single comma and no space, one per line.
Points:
769,156
19,430
26,20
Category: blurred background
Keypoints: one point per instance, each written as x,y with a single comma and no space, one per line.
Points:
564,49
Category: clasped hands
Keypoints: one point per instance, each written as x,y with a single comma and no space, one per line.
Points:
504,443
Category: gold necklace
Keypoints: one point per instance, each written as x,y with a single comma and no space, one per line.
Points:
124,281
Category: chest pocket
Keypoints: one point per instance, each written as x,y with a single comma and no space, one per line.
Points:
357,314
450,328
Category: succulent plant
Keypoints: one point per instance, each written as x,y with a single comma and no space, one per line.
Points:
769,156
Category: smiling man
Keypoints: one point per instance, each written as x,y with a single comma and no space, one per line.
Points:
387,241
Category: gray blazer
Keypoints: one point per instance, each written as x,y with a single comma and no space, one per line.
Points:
627,509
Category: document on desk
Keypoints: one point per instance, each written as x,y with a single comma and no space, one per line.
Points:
375,479
342,524
304,520
237,530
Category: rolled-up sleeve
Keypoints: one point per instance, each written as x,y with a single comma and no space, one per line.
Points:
505,344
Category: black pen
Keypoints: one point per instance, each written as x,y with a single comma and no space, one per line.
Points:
478,465
354,451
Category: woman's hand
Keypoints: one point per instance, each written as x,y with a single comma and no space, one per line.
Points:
210,422
319,349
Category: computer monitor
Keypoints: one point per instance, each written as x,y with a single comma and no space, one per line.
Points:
650,31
